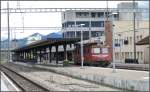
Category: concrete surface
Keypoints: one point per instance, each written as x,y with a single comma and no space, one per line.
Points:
125,79
7,84
58,82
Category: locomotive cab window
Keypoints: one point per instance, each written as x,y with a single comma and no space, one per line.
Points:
96,50
104,50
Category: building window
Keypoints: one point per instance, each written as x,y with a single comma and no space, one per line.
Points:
117,56
101,23
126,42
141,55
116,16
100,14
85,14
137,38
115,41
82,14
130,54
93,14
138,55
125,54
106,14
97,23
122,55
140,37
127,38
120,42
131,40
102,34
71,34
78,14
69,24
85,34
64,15
79,34
83,22
95,33
63,25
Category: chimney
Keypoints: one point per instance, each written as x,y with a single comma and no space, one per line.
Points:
108,34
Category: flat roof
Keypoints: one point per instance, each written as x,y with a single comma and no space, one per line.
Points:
48,42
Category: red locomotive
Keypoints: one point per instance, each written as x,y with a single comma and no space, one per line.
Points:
94,54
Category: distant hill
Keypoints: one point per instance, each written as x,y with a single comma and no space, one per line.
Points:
32,38
52,35
4,44
35,34
18,42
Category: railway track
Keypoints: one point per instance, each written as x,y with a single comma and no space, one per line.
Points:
58,82
23,83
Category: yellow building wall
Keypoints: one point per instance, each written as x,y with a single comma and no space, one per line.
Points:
125,31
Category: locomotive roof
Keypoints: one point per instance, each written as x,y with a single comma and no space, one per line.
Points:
91,42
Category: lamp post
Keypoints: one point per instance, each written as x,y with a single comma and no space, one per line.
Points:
113,58
82,58
114,66
119,46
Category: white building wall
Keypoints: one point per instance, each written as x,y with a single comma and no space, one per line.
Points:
70,15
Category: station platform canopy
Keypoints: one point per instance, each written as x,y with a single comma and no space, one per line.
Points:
144,41
49,42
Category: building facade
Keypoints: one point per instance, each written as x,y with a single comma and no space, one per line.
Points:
93,23
125,47
126,11
94,20
124,41
96,25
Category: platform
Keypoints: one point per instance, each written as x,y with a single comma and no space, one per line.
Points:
125,79
7,84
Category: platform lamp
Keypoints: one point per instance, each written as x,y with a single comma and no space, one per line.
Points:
113,58
119,47
82,58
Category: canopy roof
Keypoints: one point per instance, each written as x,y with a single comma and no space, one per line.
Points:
49,42
144,41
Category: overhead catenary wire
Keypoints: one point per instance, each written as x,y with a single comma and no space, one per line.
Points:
8,25
47,10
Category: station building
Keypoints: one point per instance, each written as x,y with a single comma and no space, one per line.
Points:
96,26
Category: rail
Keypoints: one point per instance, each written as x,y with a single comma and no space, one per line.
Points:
24,83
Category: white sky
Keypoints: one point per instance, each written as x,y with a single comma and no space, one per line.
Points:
45,19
